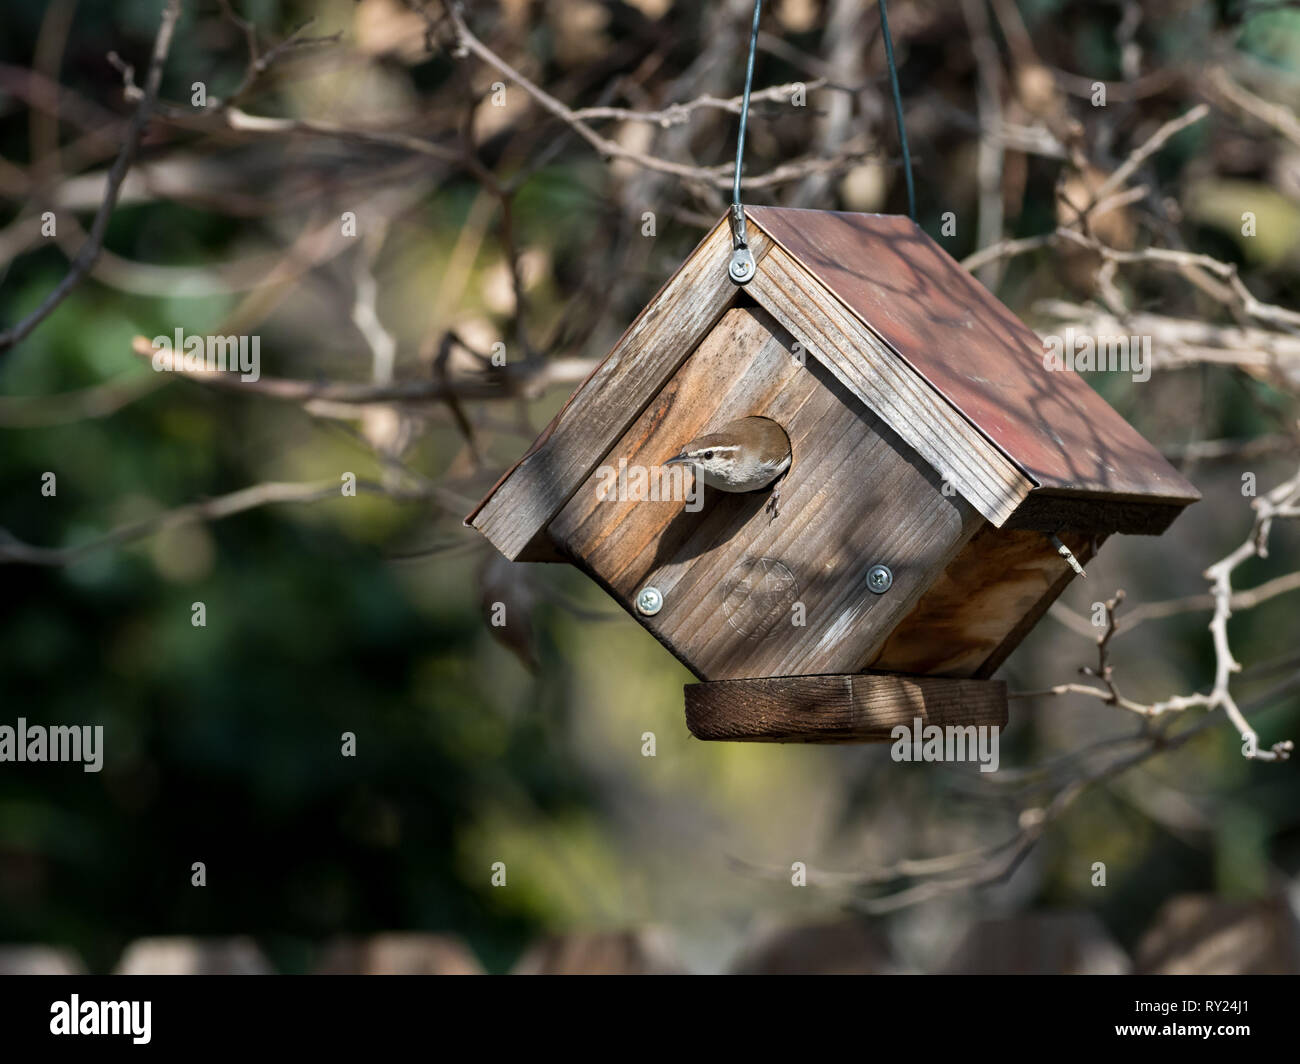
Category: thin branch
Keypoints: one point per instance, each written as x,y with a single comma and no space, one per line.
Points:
716,176
1283,501
991,157
1281,119
101,400
507,381
1153,144
678,113
90,252
13,550
1007,249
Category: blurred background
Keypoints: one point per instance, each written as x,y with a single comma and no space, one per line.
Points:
388,192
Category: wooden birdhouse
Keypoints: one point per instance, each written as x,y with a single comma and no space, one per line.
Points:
937,467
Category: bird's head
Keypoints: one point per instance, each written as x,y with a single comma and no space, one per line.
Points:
742,455
715,455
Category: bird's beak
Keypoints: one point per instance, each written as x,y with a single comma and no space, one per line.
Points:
681,459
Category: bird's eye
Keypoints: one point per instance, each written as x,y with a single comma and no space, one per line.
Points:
708,455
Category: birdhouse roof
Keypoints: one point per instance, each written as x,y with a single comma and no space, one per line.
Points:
909,333
974,352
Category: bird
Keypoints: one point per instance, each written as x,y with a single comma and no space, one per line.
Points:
747,454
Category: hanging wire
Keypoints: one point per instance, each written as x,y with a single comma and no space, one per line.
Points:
744,106
898,113
741,266
738,214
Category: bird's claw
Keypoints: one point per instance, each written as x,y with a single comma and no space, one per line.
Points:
773,506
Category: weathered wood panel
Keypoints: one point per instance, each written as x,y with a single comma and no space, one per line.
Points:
736,581
838,709
1084,548
986,601
662,336
889,387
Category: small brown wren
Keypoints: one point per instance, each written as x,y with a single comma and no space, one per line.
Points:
744,455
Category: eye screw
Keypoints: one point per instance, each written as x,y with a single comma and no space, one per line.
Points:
741,266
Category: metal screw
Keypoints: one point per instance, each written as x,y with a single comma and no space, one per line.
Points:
880,579
650,601
741,266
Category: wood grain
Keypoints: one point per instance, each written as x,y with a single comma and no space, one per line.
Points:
889,387
860,708
732,574
1085,548
977,612
655,344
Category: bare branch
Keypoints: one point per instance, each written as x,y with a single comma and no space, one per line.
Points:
508,381
716,176
82,263
1143,152
1281,119
14,550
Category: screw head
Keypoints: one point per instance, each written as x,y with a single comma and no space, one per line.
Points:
741,266
650,601
879,579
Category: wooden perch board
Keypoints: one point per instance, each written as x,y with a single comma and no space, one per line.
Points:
861,708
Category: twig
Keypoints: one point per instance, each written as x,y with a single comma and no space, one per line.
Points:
509,381
101,400
1281,119
679,113
383,348
1006,249
1179,261
716,176
1153,144
14,550
1282,501
90,252
991,157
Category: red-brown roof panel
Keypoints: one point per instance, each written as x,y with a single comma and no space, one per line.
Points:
975,352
